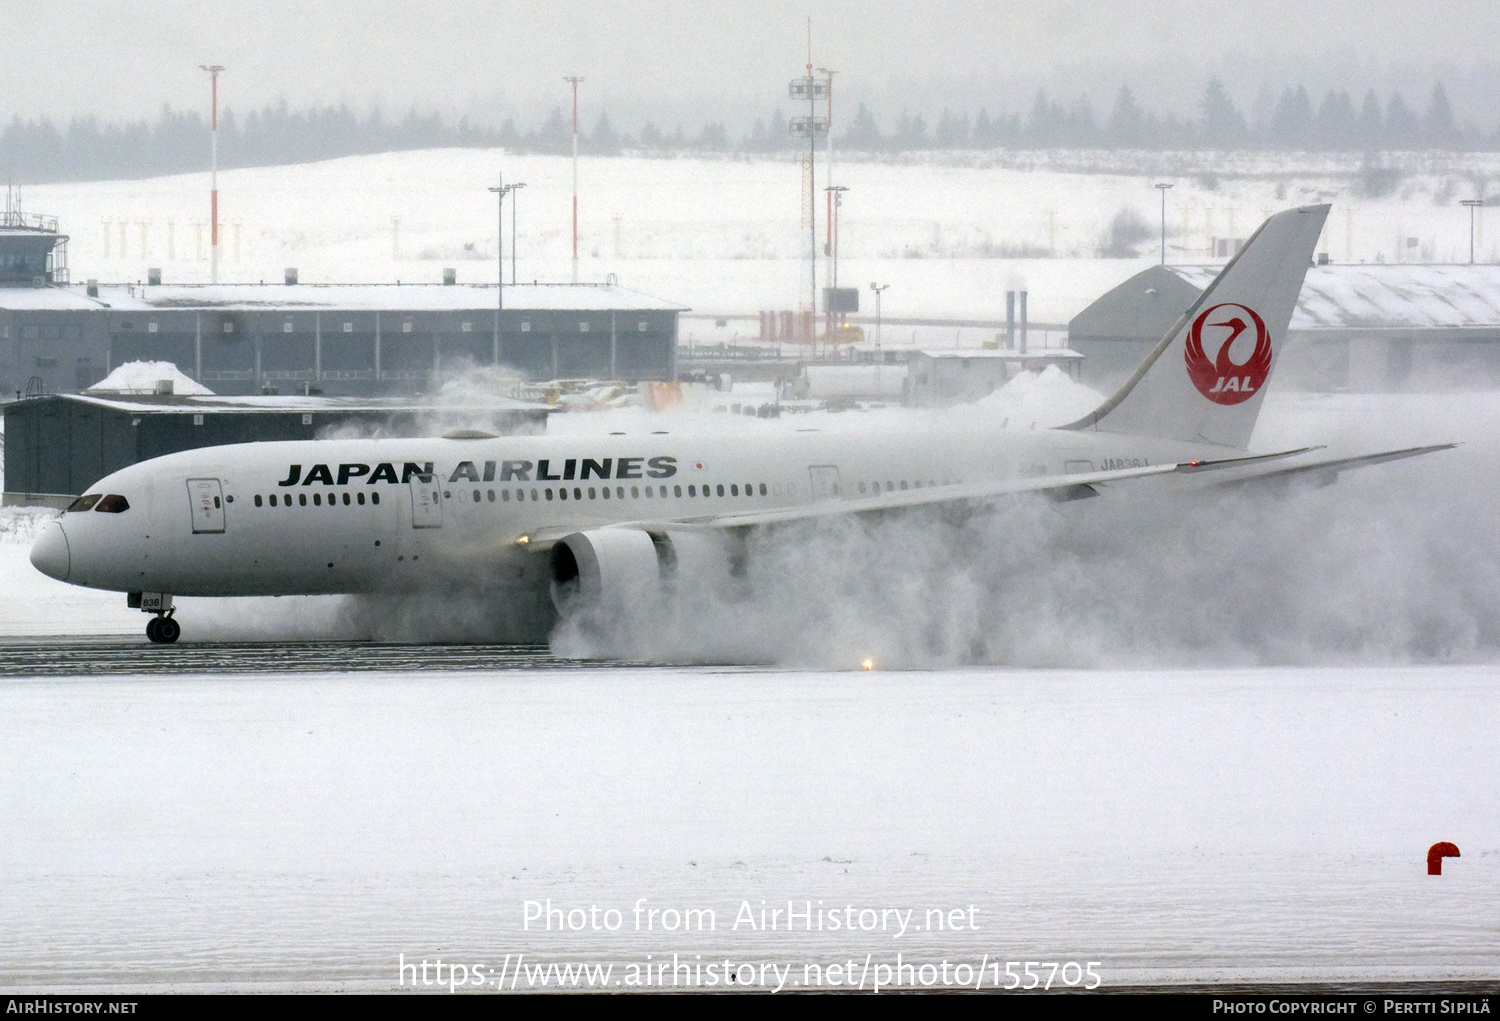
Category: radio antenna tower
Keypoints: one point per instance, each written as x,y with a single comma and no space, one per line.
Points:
575,82
213,200
811,89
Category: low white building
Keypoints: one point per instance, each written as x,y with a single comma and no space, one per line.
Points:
938,379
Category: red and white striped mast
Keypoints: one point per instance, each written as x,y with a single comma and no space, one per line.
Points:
575,82
213,201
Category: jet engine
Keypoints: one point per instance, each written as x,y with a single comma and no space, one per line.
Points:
617,568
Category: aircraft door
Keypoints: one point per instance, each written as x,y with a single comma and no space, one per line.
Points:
426,503
825,481
206,501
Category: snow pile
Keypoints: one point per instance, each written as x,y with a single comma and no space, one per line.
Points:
1046,398
142,378
24,524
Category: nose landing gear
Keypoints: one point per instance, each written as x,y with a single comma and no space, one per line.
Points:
163,629
160,628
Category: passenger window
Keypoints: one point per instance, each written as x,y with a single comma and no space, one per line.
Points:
83,503
692,491
114,503
505,495
619,492
491,495
648,492
577,493
635,492
476,496
762,489
534,497
360,498
548,491
346,499
257,500
593,493
677,490
720,488
903,483
374,497
734,489
605,492
317,499
562,494
302,499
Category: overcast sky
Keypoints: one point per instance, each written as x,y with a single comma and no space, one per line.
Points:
689,59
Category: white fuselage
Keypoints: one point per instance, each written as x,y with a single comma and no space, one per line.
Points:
347,516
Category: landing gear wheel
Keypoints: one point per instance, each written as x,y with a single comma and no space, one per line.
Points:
167,630
153,629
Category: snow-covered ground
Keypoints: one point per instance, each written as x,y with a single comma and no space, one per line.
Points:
307,831
950,233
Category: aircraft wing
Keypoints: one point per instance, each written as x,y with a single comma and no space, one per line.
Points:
1246,470
1059,487
1327,471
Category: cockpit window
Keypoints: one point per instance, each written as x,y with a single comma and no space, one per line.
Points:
83,503
114,503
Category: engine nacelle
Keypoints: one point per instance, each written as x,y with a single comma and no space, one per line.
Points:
613,568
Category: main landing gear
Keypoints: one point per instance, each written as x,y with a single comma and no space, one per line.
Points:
163,628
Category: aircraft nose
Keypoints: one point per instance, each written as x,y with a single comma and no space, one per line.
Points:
50,554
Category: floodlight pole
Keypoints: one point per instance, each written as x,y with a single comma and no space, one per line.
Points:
514,187
213,200
831,198
835,203
1163,189
1473,204
575,81
879,354
878,289
499,192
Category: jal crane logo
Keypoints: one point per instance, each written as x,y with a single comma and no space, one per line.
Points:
1222,380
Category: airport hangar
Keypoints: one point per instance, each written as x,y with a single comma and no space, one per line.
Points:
1368,328
346,339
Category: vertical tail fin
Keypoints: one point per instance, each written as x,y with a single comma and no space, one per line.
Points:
1206,380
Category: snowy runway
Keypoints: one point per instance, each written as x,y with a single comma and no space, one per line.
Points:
306,831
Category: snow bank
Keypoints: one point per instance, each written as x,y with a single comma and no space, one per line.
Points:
1046,398
23,524
142,377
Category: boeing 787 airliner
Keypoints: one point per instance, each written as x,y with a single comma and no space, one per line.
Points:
588,521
